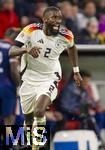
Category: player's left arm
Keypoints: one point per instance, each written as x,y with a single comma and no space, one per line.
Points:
73,56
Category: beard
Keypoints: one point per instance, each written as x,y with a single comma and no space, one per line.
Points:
53,31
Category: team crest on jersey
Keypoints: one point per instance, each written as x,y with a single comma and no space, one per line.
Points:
59,42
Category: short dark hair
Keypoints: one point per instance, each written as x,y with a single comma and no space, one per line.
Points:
12,33
85,73
49,9
87,2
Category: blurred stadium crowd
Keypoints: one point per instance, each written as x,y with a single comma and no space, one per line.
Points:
85,18
75,107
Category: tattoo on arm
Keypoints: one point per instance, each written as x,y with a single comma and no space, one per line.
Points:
17,51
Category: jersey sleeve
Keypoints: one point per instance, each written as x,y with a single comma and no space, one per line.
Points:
25,34
69,37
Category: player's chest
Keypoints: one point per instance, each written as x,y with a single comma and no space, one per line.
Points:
48,43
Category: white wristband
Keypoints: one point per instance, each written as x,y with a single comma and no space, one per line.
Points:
75,69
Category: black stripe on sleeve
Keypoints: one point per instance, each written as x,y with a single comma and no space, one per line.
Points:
18,43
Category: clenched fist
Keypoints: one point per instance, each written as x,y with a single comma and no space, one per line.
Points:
77,78
35,51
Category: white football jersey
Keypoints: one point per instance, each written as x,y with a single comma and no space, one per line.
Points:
46,66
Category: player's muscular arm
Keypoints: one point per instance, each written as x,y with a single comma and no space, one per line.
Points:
73,56
18,50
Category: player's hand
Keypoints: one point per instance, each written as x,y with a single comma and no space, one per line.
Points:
34,52
77,78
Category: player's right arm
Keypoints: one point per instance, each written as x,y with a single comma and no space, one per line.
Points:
21,40
17,51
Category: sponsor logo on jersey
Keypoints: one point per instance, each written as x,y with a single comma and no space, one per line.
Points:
41,41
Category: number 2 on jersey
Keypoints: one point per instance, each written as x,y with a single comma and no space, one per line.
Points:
47,52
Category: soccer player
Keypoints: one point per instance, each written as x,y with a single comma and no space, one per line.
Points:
40,47
9,79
